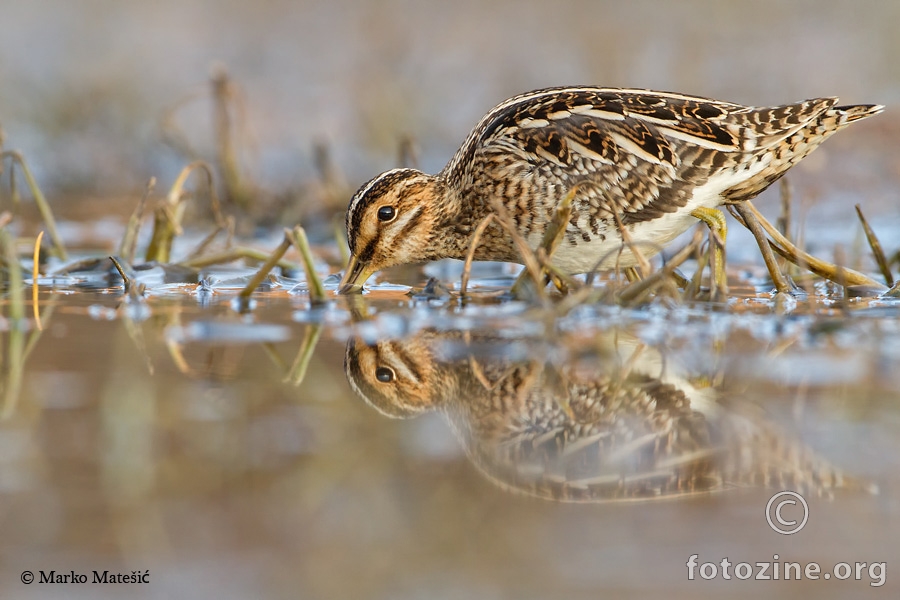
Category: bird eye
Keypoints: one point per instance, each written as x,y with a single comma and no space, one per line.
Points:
384,374
386,213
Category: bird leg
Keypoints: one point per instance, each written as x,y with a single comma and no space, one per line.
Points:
786,249
560,280
718,230
782,285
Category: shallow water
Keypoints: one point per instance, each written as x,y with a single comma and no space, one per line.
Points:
580,456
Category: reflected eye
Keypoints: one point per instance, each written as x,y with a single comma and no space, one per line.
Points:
386,213
384,374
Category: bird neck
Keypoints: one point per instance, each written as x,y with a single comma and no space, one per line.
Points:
451,232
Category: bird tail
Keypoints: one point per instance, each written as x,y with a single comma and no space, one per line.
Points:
822,120
760,454
839,117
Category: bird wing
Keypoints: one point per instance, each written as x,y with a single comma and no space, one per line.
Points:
634,152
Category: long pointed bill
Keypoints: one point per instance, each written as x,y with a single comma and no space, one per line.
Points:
354,277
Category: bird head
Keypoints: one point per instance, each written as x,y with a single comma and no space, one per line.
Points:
397,378
390,222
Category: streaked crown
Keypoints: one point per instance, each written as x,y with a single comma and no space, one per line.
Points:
387,206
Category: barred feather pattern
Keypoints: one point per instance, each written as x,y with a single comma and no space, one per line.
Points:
647,158
639,153
625,427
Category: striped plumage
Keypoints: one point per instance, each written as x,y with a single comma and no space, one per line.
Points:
650,157
622,424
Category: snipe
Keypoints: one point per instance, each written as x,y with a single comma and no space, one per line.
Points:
659,161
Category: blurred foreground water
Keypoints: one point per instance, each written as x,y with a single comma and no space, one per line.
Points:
176,435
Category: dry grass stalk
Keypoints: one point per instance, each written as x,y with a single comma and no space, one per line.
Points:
634,293
35,273
478,372
643,263
840,258
272,352
225,95
408,153
12,383
785,248
632,274
132,287
583,295
894,292
15,284
551,239
204,244
877,250
168,215
128,245
692,291
314,284
59,249
532,266
333,189
561,281
297,238
236,253
266,267
340,236
176,353
298,370
470,254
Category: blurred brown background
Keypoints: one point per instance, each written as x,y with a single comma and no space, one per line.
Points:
83,84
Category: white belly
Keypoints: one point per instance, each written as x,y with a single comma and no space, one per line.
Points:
651,237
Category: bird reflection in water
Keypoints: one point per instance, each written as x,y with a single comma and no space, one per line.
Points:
609,420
